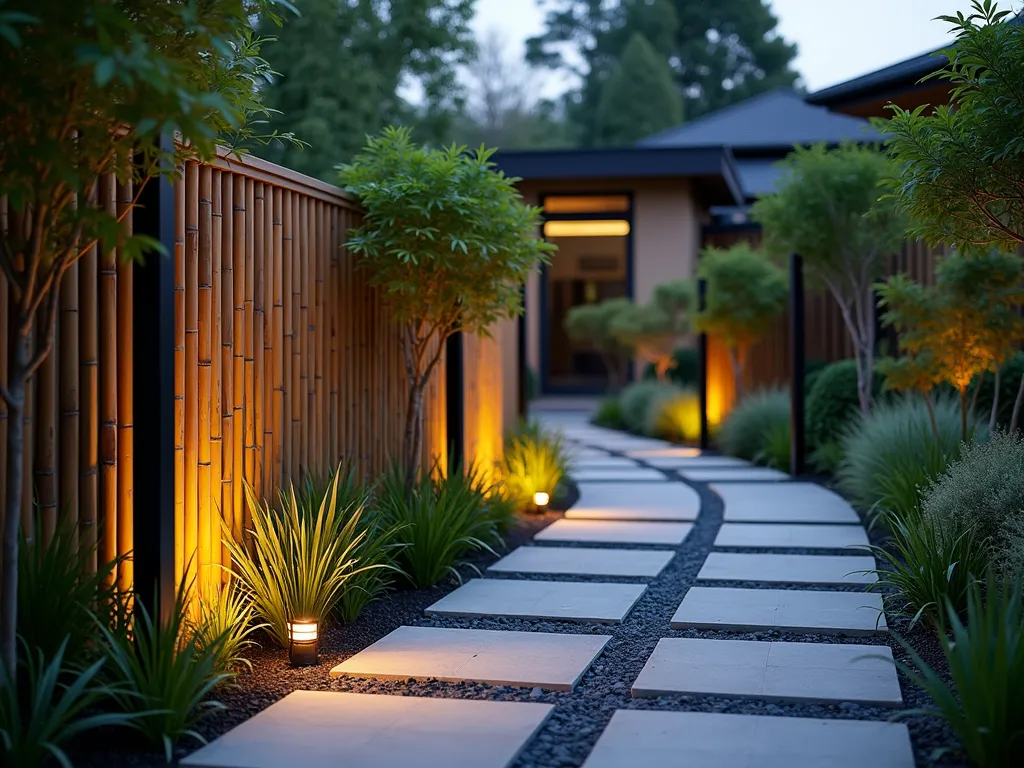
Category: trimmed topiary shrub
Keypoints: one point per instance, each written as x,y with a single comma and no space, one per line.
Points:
683,373
831,405
674,415
609,414
891,457
984,489
812,368
636,401
753,425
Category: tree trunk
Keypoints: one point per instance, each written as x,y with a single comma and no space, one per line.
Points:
931,413
413,443
662,367
963,413
863,381
1016,406
12,504
995,403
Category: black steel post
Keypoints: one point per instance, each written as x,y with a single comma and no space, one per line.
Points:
798,351
455,400
522,364
153,383
702,368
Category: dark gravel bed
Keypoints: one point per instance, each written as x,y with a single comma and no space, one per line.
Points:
580,715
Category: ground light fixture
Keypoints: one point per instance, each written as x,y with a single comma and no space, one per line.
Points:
540,500
302,642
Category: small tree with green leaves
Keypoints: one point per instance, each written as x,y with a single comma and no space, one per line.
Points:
827,209
965,324
591,326
654,330
88,89
449,241
959,170
745,293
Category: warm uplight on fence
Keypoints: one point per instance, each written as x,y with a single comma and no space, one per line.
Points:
302,640
598,228
541,499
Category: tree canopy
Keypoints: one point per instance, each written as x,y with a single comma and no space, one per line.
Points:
342,65
640,97
591,325
654,330
450,242
720,53
958,167
745,293
827,209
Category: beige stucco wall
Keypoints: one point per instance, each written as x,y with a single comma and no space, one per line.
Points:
666,235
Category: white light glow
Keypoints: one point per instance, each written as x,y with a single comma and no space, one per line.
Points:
302,631
541,499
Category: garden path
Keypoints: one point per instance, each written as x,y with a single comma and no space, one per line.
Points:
603,653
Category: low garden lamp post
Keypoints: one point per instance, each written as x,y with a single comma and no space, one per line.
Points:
302,642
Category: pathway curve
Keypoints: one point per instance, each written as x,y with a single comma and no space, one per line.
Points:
640,630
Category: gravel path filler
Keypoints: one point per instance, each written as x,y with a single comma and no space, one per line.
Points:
580,715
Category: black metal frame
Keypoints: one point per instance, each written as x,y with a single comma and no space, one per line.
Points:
702,368
455,400
153,383
543,374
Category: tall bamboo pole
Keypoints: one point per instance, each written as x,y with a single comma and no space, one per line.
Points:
333,310
5,319
320,392
204,307
125,396
45,464
264,342
304,345
216,378
108,379
191,541
238,357
259,323
228,509
88,352
28,430
277,338
288,332
298,393
249,326
179,376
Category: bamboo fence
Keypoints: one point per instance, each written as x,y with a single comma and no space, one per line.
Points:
285,360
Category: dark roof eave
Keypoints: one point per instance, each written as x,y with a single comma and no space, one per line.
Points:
623,162
902,75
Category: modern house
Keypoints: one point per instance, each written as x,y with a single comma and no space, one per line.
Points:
626,219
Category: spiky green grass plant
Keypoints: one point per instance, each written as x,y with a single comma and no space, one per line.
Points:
301,558
442,520
535,461
225,622
746,431
981,698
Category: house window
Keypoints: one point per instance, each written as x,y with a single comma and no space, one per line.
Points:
586,204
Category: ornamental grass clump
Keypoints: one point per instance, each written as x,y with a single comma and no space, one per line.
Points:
754,425
980,698
225,621
442,521
674,415
535,461
300,559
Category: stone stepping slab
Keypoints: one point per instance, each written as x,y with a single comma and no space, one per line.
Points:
818,673
553,600
323,729
697,462
628,501
576,453
784,536
677,453
788,610
546,660
710,740
621,474
732,474
826,570
581,561
784,503
602,462
615,532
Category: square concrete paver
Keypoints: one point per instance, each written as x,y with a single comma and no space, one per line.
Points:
732,474
525,659
783,503
324,729
619,474
789,610
581,561
696,462
794,672
629,501
711,740
788,569
615,532
783,536
679,452
565,600
602,462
